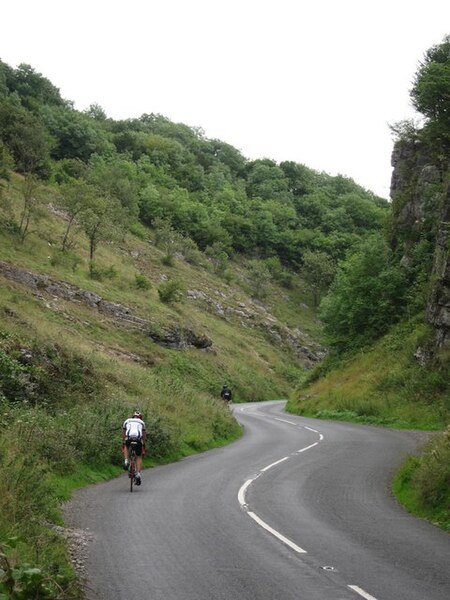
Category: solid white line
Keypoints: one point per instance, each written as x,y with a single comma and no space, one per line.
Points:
307,447
361,592
275,463
276,534
241,494
285,421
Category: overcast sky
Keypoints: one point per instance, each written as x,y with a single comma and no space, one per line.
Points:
313,81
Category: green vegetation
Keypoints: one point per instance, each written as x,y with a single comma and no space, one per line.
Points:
422,484
382,384
154,263
385,314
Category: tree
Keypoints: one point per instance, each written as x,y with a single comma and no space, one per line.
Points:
366,297
430,93
76,135
25,136
75,198
267,181
169,240
431,96
31,206
102,221
258,279
33,88
116,178
218,257
318,270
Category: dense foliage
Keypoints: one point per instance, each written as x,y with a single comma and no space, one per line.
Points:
366,298
112,173
385,278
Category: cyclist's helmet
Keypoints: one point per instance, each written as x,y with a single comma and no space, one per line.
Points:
137,414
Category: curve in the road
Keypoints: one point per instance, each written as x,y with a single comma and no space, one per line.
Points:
245,506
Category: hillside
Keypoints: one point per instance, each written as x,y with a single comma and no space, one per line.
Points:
142,264
79,349
387,314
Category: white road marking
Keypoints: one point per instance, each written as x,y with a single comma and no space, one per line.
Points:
241,494
307,448
275,463
361,592
275,533
285,421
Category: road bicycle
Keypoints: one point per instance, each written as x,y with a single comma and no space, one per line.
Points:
132,464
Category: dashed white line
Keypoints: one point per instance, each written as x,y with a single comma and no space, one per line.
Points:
275,533
254,516
307,448
274,464
285,421
361,592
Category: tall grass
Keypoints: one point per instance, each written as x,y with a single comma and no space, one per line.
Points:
423,483
383,384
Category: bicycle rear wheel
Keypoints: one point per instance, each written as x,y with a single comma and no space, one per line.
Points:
132,471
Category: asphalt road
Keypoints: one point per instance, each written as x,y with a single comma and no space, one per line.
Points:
297,509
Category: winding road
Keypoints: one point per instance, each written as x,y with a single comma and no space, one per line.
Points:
297,509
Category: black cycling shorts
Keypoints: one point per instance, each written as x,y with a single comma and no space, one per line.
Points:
137,445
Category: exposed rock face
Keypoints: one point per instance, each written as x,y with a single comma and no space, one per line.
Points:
253,315
416,193
170,337
421,207
438,305
256,315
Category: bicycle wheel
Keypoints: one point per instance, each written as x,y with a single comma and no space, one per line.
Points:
132,471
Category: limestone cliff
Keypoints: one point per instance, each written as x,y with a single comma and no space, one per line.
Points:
421,213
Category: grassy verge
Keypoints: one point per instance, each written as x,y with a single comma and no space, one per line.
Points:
382,385
422,484
385,385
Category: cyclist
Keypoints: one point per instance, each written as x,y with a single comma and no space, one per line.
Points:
133,429
226,394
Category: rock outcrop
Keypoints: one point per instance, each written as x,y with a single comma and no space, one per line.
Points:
172,336
421,207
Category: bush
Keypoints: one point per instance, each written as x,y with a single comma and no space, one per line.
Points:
171,291
65,259
432,478
101,273
142,282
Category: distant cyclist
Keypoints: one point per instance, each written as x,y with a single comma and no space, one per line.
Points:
133,429
226,394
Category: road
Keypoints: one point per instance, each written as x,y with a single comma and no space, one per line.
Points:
297,509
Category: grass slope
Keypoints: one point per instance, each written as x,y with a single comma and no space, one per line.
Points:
64,366
385,385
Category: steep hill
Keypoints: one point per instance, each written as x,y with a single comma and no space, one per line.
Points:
142,264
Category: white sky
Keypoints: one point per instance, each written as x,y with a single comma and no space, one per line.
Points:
313,81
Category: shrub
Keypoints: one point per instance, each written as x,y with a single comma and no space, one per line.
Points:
101,273
171,291
65,259
432,477
142,282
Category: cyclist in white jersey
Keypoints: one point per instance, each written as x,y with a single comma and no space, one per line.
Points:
133,429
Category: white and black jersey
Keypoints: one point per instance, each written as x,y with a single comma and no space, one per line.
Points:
134,428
